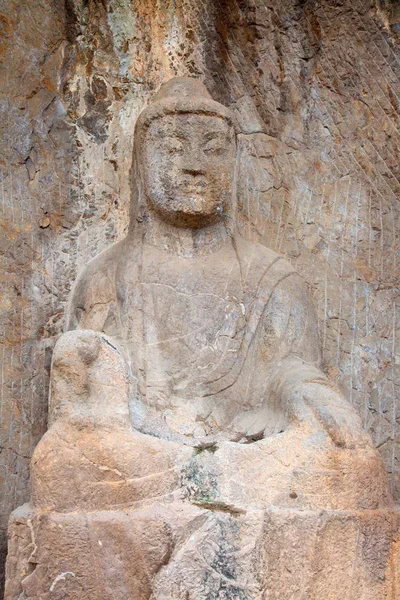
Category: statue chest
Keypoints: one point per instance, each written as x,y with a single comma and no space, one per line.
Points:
183,318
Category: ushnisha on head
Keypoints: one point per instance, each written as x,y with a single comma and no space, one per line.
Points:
184,158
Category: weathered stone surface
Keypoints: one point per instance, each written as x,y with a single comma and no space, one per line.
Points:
315,90
91,457
176,551
190,420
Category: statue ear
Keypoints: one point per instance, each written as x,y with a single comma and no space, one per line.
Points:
137,207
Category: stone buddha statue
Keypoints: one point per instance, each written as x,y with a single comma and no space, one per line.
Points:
220,333
196,450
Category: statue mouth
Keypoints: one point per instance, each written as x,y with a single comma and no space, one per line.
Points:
193,186
193,189
194,205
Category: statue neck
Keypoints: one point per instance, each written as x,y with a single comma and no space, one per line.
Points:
184,241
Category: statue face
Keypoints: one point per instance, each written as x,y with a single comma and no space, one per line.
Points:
189,163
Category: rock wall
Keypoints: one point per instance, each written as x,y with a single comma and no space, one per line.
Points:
315,88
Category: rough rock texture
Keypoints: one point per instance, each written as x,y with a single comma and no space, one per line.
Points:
189,418
315,88
181,551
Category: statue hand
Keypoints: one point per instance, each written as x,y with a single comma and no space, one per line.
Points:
321,403
88,373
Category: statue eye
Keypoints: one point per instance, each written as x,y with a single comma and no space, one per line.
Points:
173,146
214,146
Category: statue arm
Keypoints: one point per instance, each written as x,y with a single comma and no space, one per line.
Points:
93,299
298,384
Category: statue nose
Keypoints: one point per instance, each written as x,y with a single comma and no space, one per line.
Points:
193,169
192,164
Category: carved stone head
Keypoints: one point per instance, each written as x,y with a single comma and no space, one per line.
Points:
185,151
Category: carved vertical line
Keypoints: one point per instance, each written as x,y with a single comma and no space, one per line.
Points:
5,440
60,202
11,196
326,272
379,428
353,340
325,312
394,249
320,230
321,206
20,205
2,385
282,234
370,229
248,207
341,277
3,196
279,222
381,236
308,203
393,428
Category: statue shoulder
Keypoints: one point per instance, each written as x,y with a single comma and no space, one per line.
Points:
269,271
286,302
258,258
94,287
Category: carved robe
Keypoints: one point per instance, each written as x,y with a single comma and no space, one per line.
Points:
208,339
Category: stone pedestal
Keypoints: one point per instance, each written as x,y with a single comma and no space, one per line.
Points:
176,551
